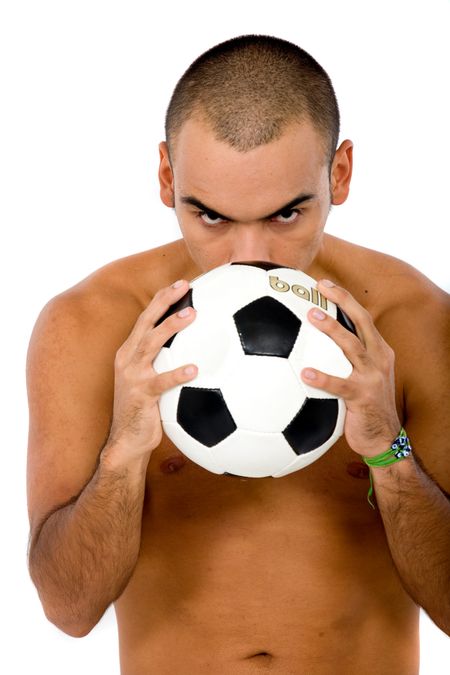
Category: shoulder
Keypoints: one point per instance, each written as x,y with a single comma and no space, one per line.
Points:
112,297
388,287
410,311
78,332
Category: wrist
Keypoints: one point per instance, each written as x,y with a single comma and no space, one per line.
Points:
398,449
385,466
400,468
116,458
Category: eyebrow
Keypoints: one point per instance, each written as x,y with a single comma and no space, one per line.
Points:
188,199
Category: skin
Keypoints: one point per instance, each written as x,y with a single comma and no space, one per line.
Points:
248,186
296,574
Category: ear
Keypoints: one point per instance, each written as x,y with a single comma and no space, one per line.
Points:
165,176
341,172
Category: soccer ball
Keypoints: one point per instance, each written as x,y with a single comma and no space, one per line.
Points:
247,412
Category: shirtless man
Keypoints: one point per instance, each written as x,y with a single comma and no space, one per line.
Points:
215,575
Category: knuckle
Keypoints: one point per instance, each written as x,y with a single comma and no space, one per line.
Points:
342,292
341,387
366,319
155,387
162,383
160,333
342,296
390,354
139,352
164,330
179,376
173,321
161,297
161,292
170,291
387,366
136,353
120,359
386,358
361,354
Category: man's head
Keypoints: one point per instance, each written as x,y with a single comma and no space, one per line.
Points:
253,124
250,88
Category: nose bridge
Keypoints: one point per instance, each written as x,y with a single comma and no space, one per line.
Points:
249,242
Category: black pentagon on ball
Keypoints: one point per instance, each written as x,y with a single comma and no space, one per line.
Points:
267,328
344,320
313,425
185,301
204,415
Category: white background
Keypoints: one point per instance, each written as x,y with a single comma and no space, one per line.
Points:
84,88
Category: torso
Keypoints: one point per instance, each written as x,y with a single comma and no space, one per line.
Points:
295,570
290,575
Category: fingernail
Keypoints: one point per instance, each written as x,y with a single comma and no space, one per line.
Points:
327,282
177,284
184,312
317,314
309,374
190,370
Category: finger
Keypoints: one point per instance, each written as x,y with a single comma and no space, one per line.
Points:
337,386
155,338
155,310
361,318
351,345
171,378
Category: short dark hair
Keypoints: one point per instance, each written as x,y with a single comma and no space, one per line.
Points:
250,88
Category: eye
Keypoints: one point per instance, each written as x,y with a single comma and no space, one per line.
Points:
288,216
209,217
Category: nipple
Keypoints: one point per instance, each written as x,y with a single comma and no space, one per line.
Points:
172,464
358,470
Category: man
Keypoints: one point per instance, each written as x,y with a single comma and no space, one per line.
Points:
213,574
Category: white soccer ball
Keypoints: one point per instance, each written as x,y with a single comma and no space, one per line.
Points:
247,412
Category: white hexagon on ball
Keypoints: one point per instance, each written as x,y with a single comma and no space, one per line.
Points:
262,393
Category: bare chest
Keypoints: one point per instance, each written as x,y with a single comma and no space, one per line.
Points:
282,570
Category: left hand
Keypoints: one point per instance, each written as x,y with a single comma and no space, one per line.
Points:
371,422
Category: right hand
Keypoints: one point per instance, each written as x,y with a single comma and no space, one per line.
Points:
136,425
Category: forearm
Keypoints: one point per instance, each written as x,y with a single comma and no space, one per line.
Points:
84,554
416,517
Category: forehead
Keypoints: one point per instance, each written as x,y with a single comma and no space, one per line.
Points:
208,168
